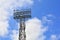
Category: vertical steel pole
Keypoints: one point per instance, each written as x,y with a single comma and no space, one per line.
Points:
22,35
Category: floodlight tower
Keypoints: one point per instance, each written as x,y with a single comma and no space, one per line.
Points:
22,15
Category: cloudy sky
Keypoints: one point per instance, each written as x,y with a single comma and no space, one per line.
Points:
44,24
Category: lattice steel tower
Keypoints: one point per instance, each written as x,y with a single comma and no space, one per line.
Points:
22,15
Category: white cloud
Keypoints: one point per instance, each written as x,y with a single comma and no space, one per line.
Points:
15,3
34,30
15,35
45,19
53,37
48,20
3,22
3,28
7,6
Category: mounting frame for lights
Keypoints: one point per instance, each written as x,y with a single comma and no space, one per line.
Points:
18,14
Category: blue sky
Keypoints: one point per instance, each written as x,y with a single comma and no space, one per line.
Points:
47,11
49,7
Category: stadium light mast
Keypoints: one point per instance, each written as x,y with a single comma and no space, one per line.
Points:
22,15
